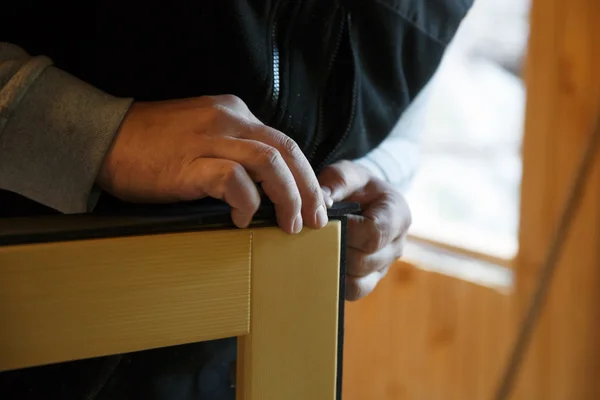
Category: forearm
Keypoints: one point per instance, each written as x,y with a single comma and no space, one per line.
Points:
54,131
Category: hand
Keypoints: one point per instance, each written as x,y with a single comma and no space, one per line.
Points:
376,238
188,149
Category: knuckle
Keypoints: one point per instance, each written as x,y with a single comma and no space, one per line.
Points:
233,101
379,236
233,173
218,113
269,156
290,147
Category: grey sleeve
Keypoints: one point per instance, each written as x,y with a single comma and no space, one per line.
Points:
54,131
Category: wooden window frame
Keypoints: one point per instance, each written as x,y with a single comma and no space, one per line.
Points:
281,295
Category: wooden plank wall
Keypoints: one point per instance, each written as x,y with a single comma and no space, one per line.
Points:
425,336
563,78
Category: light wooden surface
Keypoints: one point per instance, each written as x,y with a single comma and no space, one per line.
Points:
563,80
425,336
291,351
71,300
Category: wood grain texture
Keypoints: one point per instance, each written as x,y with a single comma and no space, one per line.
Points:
71,300
425,336
291,351
563,83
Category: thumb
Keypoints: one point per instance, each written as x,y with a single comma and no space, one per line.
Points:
342,179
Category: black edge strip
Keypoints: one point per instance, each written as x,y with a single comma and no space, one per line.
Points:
134,222
342,307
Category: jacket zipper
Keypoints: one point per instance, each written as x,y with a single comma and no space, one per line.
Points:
276,83
327,158
276,65
275,93
346,132
319,131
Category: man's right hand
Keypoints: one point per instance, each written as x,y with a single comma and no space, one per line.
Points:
211,147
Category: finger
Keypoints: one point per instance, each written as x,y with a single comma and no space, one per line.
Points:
342,179
313,204
357,288
361,264
327,198
383,220
225,180
266,166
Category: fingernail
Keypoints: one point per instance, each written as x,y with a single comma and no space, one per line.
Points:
297,227
328,201
326,191
321,215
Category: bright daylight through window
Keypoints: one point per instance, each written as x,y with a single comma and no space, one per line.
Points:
466,193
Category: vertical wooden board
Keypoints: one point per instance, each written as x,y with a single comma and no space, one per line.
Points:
70,300
407,323
441,335
563,83
291,351
377,343
468,337
422,335
366,362
495,327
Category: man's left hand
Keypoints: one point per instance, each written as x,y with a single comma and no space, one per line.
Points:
376,237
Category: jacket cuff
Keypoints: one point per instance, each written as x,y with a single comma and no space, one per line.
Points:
55,138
